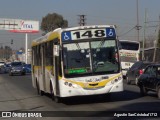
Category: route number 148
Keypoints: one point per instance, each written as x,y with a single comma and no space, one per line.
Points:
94,33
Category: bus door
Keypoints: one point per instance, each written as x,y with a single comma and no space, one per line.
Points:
56,55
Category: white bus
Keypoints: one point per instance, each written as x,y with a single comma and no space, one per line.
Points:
129,54
77,61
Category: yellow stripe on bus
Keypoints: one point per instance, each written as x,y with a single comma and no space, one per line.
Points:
89,84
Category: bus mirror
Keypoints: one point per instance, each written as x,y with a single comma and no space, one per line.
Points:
119,45
56,50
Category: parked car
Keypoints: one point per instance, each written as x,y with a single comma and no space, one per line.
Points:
17,68
7,67
2,63
27,68
150,80
2,66
135,71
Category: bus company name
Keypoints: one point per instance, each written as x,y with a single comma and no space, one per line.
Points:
25,25
93,80
127,54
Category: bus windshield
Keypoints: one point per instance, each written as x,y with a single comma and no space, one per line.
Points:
129,45
91,57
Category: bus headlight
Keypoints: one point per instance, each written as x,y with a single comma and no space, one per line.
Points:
66,83
112,81
116,80
70,84
120,78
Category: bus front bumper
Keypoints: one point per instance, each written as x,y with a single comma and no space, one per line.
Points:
66,91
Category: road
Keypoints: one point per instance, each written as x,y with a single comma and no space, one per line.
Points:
17,94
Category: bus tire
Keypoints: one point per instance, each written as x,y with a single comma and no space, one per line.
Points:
37,86
53,97
41,92
56,99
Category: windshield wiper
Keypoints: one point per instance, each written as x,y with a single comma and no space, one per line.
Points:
78,46
101,43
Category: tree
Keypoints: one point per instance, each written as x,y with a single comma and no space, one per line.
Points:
53,21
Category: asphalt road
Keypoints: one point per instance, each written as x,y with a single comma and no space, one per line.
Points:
17,94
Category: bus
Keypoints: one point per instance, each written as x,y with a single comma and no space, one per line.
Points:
129,54
77,61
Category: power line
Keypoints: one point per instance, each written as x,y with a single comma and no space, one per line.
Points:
127,31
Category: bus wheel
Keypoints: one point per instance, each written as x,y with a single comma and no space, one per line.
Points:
37,86
41,93
53,97
56,99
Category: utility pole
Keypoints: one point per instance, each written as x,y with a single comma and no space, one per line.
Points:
156,42
82,20
137,26
144,32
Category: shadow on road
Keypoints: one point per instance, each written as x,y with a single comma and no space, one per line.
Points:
121,96
113,97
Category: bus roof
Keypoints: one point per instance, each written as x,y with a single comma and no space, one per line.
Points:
87,27
57,33
131,41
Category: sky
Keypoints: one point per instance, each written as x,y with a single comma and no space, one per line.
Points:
122,13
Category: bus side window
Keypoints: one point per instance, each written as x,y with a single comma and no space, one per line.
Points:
65,57
49,53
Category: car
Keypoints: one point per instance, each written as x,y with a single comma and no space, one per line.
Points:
150,80
17,68
2,63
135,71
2,66
7,67
27,68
